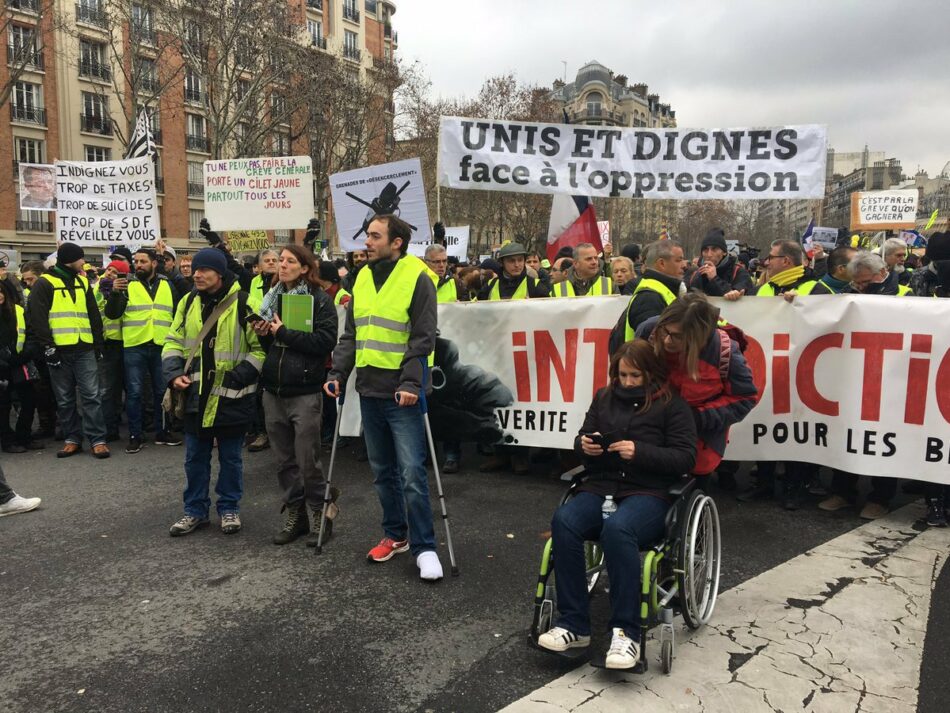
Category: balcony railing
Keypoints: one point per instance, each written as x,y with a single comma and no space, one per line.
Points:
148,84
315,5
28,114
196,190
95,70
144,35
593,112
194,235
351,53
24,5
31,59
160,184
34,226
91,16
351,13
94,124
196,143
194,96
320,42
389,34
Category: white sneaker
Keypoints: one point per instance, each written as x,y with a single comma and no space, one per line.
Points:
624,652
18,504
430,568
559,639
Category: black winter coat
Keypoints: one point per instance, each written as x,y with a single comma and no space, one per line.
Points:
296,360
664,437
730,275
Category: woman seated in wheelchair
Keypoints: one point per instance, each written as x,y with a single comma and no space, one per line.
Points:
638,439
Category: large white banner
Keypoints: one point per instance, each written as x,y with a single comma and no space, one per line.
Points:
267,193
106,202
394,188
456,243
746,163
860,383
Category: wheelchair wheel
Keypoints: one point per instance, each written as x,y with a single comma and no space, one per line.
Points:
594,559
666,656
699,554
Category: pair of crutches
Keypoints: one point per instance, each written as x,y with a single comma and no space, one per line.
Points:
424,405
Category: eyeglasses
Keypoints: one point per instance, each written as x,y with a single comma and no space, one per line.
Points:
673,336
438,262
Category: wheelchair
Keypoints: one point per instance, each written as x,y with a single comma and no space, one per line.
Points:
681,572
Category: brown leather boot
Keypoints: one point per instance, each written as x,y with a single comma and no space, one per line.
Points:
101,451
69,449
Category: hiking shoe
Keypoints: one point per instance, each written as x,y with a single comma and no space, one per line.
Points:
624,652
936,513
294,526
450,466
230,523
167,438
17,505
872,511
833,504
560,639
261,443
135,445
187,524
386,549
101,451
69,449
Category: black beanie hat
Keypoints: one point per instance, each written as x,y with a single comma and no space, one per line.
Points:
715,238
329,272
631,251
69,252
938,247
124,253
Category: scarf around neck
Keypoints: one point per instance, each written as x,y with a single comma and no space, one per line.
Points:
789,277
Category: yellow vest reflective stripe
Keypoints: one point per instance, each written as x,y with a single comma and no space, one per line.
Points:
603,286
382,318
446,292
647,284
111,328
233,344
68,318
340,294
903,290
20,328
521,292
144,320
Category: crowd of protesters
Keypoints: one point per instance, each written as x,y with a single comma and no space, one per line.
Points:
200,345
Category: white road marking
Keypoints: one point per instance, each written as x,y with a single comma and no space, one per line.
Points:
839,628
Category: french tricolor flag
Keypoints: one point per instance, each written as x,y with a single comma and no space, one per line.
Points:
573,221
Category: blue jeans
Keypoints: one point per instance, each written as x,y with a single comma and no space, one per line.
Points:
230,484
452,450
78,370
638,524
141,360
396,446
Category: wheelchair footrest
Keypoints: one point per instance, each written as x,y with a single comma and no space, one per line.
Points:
599,660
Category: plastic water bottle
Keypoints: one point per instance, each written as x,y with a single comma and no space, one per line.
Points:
609,507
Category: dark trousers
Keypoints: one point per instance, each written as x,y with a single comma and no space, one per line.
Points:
845,484
111,372
45,401
25,394
6,492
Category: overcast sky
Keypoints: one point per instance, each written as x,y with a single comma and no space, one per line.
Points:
876,73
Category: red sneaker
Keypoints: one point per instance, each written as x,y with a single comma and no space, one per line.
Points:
386,549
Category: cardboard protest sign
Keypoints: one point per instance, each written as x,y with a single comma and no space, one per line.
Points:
394,188
603,227
456,243
107,202
10,259
837,388
269,193
37,186
884,210
245,241
573,159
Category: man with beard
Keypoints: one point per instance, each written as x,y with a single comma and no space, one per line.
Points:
720,274
145,305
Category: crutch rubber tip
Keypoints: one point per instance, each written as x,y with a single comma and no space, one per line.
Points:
455,571
320,550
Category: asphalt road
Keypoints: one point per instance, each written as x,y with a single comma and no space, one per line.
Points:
106,612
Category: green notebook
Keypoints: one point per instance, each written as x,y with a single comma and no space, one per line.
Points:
296,312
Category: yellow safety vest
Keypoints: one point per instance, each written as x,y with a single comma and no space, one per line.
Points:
68,318
144,320
903,290
603,286
111,328
20,328
446,292
521,292
255,296
768,289
647,284
340,294
382,318
233,344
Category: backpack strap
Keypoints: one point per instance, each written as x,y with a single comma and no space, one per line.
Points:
725,354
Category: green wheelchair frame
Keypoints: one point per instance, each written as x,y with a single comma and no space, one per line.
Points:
681,571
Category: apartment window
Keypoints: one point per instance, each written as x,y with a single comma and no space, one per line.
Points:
147,75
193,37
27,103
350,45
33,221
142,23
94,105
278,106
594,103
196,179
193,91
281,144
21,47
196,125
349,11
194,223
281,236
92,61
197,138
98,153
29,150
315,28
90,12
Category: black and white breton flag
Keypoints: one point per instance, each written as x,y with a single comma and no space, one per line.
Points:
141,143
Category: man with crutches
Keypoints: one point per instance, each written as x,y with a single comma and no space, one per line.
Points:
388,336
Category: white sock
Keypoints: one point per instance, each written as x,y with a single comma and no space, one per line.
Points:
429,566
